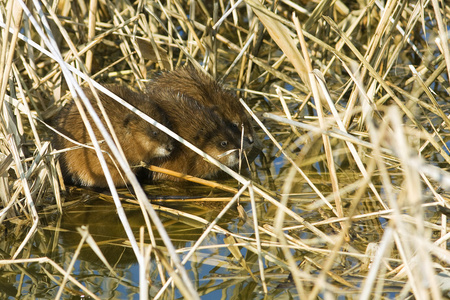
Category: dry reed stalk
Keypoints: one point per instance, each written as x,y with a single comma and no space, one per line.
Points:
91,32
193,179
320,102
397,155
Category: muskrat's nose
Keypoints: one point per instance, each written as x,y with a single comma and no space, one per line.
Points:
169,148
248,142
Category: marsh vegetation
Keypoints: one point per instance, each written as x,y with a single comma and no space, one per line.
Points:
349,197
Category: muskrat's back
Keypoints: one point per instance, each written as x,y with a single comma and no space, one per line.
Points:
201,126
140,141
208,92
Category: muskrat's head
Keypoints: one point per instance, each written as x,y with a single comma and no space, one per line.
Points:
209,132
223,147
200,125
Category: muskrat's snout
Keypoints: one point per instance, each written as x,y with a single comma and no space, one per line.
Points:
170,147
166,146
229,158
250,139
242,130
163,151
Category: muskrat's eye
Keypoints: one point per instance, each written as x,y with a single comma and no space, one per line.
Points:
155,133
224,143
235,124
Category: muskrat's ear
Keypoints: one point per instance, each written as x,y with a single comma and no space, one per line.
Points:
129,118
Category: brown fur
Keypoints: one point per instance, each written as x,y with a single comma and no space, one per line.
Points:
139,140
204,89
200,126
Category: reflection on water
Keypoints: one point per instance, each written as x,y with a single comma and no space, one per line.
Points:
216,273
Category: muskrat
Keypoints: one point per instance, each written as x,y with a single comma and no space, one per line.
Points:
204,89
201,126
140,141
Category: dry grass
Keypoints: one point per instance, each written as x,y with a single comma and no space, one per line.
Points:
352,97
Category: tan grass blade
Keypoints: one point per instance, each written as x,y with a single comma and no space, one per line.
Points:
282,36
319,106
91,32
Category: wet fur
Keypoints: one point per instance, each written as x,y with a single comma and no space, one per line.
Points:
199,125
139,140
208,92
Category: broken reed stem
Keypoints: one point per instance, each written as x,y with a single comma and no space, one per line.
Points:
190,178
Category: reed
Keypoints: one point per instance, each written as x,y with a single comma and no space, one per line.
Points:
350,100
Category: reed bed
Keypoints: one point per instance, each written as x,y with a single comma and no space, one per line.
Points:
349,197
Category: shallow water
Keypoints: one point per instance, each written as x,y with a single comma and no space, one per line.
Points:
185,211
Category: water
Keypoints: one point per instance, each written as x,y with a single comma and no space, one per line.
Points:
214,270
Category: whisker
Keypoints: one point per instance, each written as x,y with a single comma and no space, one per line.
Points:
227,153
